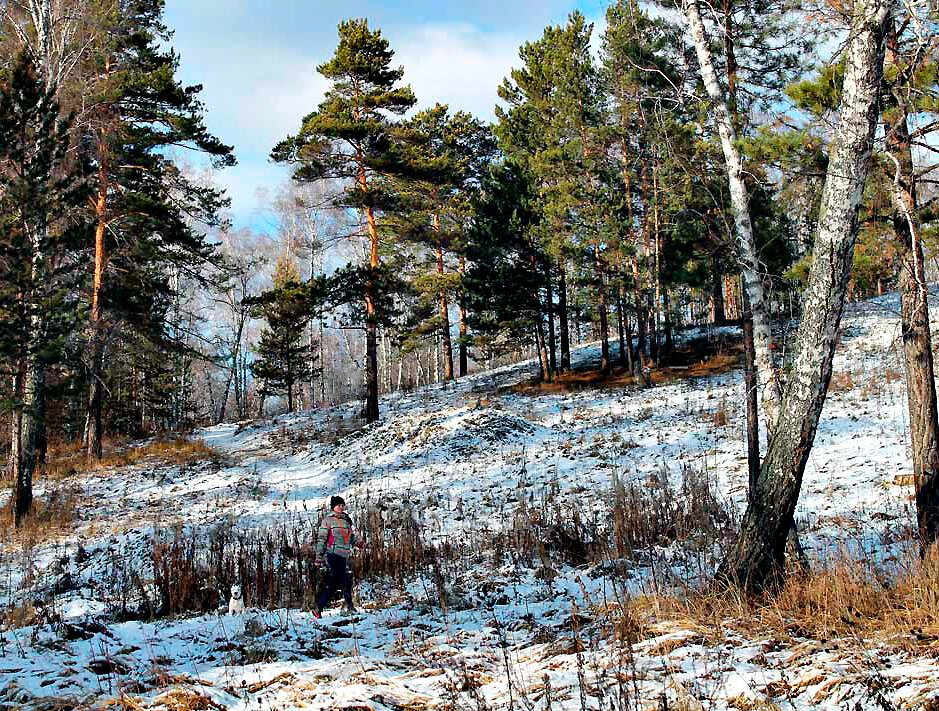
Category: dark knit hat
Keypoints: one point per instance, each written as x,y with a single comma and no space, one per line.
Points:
336,501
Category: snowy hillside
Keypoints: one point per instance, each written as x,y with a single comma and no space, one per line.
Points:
475,469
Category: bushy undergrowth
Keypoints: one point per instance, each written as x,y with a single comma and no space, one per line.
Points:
194,568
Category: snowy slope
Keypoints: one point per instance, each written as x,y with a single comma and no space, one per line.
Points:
461,459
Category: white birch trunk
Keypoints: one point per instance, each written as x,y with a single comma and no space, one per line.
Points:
758,555
762,335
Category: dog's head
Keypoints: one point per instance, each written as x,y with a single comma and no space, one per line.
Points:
235,592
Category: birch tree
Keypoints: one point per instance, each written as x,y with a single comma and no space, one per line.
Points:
750,267
757,557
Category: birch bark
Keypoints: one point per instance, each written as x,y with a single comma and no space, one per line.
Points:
756,559
750,267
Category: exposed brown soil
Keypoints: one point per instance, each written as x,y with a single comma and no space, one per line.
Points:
698,359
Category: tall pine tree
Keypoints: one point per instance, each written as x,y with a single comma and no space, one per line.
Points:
144,205
552,129
447,157
40,190
348,138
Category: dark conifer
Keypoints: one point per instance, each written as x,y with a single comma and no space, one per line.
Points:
284,359
40,191
348,138
144,204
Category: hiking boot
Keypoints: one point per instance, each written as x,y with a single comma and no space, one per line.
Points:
316,613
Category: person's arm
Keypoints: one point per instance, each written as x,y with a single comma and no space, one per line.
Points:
321,538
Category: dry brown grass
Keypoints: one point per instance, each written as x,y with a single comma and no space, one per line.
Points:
51,518
579,380
619,377
697,359
68,459
53,514
718,417
848,599
177,451
841,383
187,700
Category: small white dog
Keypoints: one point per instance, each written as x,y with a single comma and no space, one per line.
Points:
236,604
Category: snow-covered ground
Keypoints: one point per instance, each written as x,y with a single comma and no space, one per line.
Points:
460,460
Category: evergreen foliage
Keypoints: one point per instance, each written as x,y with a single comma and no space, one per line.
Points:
282,358
349,138
146,207
40,191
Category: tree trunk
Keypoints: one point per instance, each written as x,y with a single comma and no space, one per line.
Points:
543,363
718,309
444,312
241,405
757,557
31,425
667,320
31,428
604,325
552,350
762,336
562,313
921,390
96,393
371,323
464,331
640,353
436,354
629,342
620,325
750,397
657,251
16,433
914,320
540,344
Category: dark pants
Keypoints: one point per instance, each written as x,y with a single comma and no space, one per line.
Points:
339,579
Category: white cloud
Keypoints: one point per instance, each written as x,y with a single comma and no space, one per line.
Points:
458,65
257,89
257,96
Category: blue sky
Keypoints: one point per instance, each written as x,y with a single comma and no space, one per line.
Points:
257,62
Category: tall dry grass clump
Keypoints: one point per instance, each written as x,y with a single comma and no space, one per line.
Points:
65,459
847,598
53,516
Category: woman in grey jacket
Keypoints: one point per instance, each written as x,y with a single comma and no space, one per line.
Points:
334,542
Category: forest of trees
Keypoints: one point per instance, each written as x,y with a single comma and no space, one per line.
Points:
747,161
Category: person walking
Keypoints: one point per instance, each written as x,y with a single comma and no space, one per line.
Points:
335,540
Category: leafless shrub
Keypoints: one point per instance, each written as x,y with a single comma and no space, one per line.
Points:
194,570
656,513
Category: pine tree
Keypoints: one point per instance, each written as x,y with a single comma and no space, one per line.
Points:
348,138
503,281
643,79
284,359
144,204
40,190
447,156
552,129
